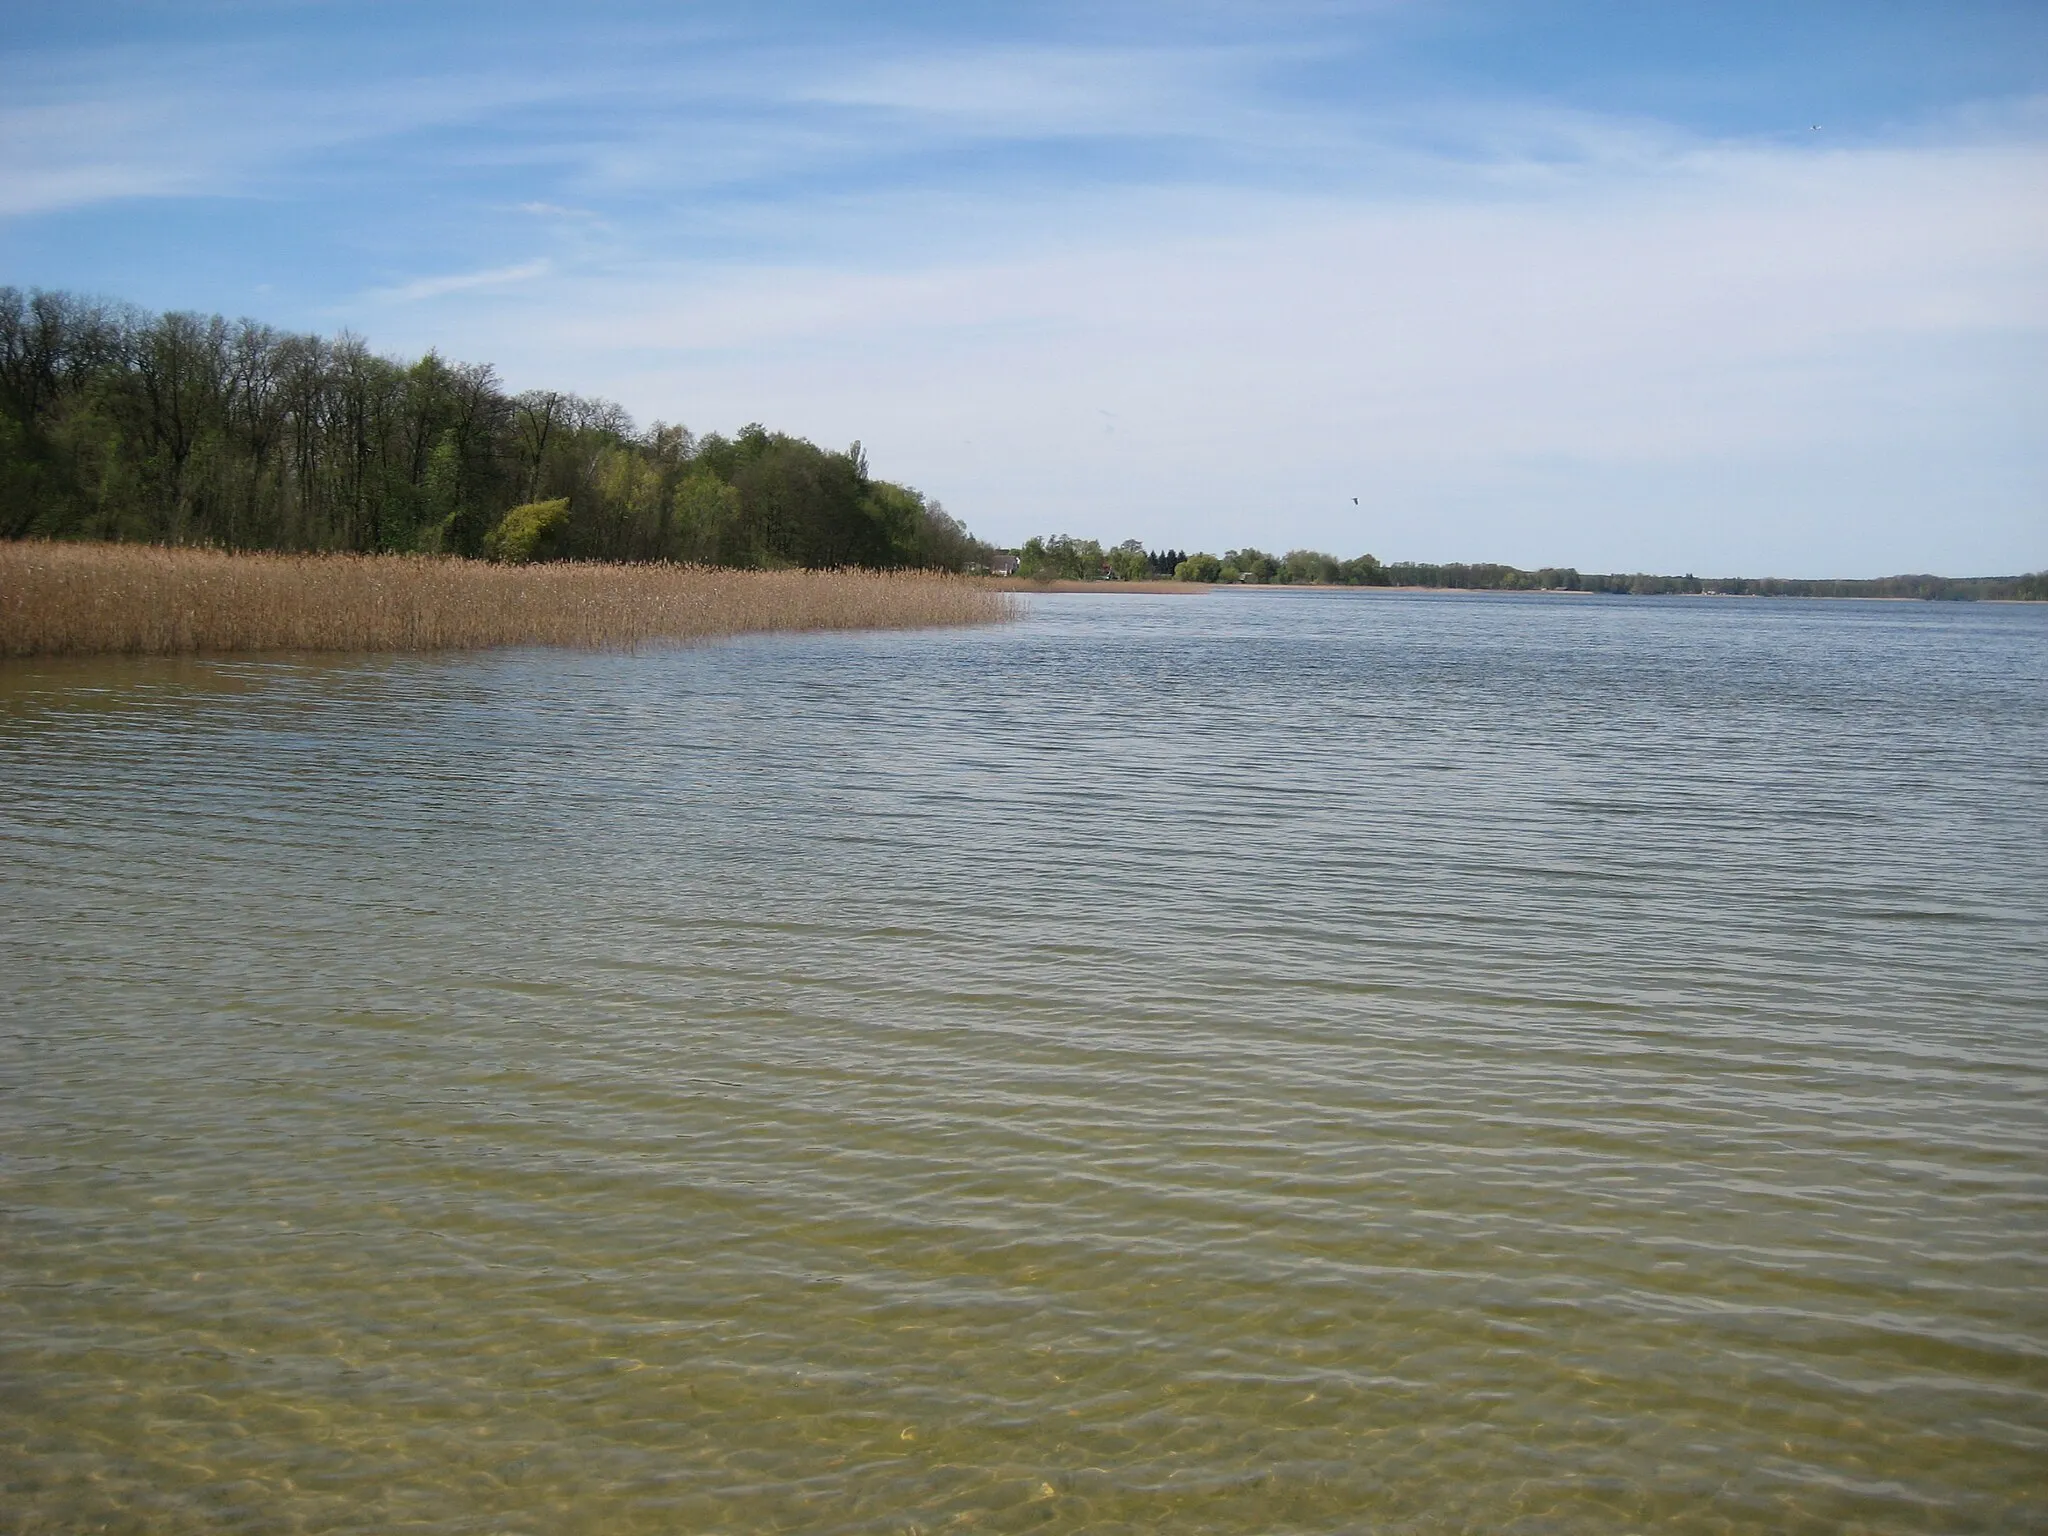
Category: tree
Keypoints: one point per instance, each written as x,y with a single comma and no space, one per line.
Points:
626,516
705,527
1250,565
1060,558
529,532
1203,567
1310,566
938,541
1129,562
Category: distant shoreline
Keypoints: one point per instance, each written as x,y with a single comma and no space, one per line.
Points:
1196,588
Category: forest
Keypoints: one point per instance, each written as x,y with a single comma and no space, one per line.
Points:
188,429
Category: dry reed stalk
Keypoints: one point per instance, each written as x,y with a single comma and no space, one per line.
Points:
80,599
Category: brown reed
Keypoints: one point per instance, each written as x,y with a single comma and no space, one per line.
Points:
79,599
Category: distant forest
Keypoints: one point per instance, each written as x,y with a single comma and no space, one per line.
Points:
1063,557
180,428
1507,578
190,429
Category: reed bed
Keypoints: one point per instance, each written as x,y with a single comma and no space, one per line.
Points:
81,599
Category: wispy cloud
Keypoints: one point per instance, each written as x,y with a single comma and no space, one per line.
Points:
1661,363
1043,91
71,153
463,282
104,123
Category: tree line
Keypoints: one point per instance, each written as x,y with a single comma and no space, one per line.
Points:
1061,556
178,428
1507,578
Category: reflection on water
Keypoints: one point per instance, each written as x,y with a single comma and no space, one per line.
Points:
1264,1062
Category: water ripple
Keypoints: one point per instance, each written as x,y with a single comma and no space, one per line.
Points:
1266,1062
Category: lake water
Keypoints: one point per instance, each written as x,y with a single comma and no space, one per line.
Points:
1276,1062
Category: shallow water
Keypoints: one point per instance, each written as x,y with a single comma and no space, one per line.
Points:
1248,1063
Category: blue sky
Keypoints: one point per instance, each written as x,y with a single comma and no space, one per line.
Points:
1542,282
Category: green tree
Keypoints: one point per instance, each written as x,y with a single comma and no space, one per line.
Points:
440,495
1251,565
1129,562
528,532
938,540
1310,566
1203,567
706,523
625,514
897,513
1060,558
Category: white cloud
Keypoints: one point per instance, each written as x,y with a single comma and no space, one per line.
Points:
464,282
1598,369
1023,91
67,154
118,123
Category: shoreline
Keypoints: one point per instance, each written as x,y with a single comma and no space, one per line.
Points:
1168,587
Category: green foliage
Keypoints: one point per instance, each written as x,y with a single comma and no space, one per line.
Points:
897,515
922,533
1129,562
1310,567
25,478
1253,565
191,429
1300,565
1508,578
704,524
528,532
626,505
1060,558
440,497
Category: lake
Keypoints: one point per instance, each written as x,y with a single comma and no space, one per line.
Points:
1266,1061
